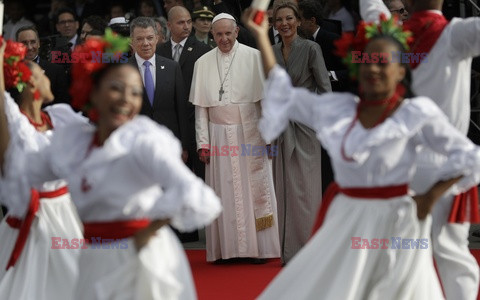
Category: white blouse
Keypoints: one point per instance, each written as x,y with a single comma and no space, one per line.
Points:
24,137
137,173
383,155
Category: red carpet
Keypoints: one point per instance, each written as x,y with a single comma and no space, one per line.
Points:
234,281
238,281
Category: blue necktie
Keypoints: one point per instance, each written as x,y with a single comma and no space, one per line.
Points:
149,82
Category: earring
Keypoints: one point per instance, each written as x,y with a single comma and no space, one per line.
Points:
36,95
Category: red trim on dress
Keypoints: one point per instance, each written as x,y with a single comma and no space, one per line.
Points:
426,27
114,229
391,104
25,224
46,120
465,207
384,192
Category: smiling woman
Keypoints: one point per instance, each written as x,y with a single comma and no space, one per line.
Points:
128,180
297,168
373,141
25,233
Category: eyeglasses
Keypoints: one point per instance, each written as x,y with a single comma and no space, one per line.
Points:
400,11
65,22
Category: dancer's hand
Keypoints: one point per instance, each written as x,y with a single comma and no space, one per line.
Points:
142,237
260,32
269,151
204,156
426,201
185,155
255,29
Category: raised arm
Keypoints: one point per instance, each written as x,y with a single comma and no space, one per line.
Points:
186,200
260,32
370,10
4,134
463,156
465,38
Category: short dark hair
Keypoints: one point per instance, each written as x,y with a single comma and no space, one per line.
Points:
96,22
64,10
311,9
25,28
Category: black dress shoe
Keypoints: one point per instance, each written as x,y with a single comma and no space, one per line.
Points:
258,261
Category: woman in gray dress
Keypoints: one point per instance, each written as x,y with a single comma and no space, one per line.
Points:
297,167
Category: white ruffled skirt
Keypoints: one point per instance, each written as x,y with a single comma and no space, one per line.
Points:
159,271
42,273
329,268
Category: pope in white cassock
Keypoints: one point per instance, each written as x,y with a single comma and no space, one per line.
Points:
226,90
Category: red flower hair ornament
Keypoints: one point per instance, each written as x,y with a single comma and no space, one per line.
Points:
91,57
365,32
16,72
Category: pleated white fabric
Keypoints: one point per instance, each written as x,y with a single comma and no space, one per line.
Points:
41,272
233,234
365,273
160,271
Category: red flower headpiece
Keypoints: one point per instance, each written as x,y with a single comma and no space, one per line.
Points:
15,71
365,32
90,58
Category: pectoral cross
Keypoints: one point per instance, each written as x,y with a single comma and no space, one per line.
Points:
220,93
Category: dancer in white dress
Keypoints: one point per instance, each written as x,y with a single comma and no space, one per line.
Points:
127,179
29,267
445,77
370,243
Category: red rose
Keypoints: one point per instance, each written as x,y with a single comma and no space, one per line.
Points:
15,49
80,91
343,44
24,71
383,17
11,76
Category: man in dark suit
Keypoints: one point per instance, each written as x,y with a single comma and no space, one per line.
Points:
273,34
185,49
28,36
189,50
310,17
164,98
312,28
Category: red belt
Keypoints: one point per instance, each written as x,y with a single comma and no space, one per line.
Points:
384,192
113,230
25,224
465,207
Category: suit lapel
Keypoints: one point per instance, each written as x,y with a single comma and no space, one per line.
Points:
168,49
160,73
185,51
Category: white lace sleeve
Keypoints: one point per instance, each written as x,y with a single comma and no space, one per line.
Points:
463,155
284,103
186,199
